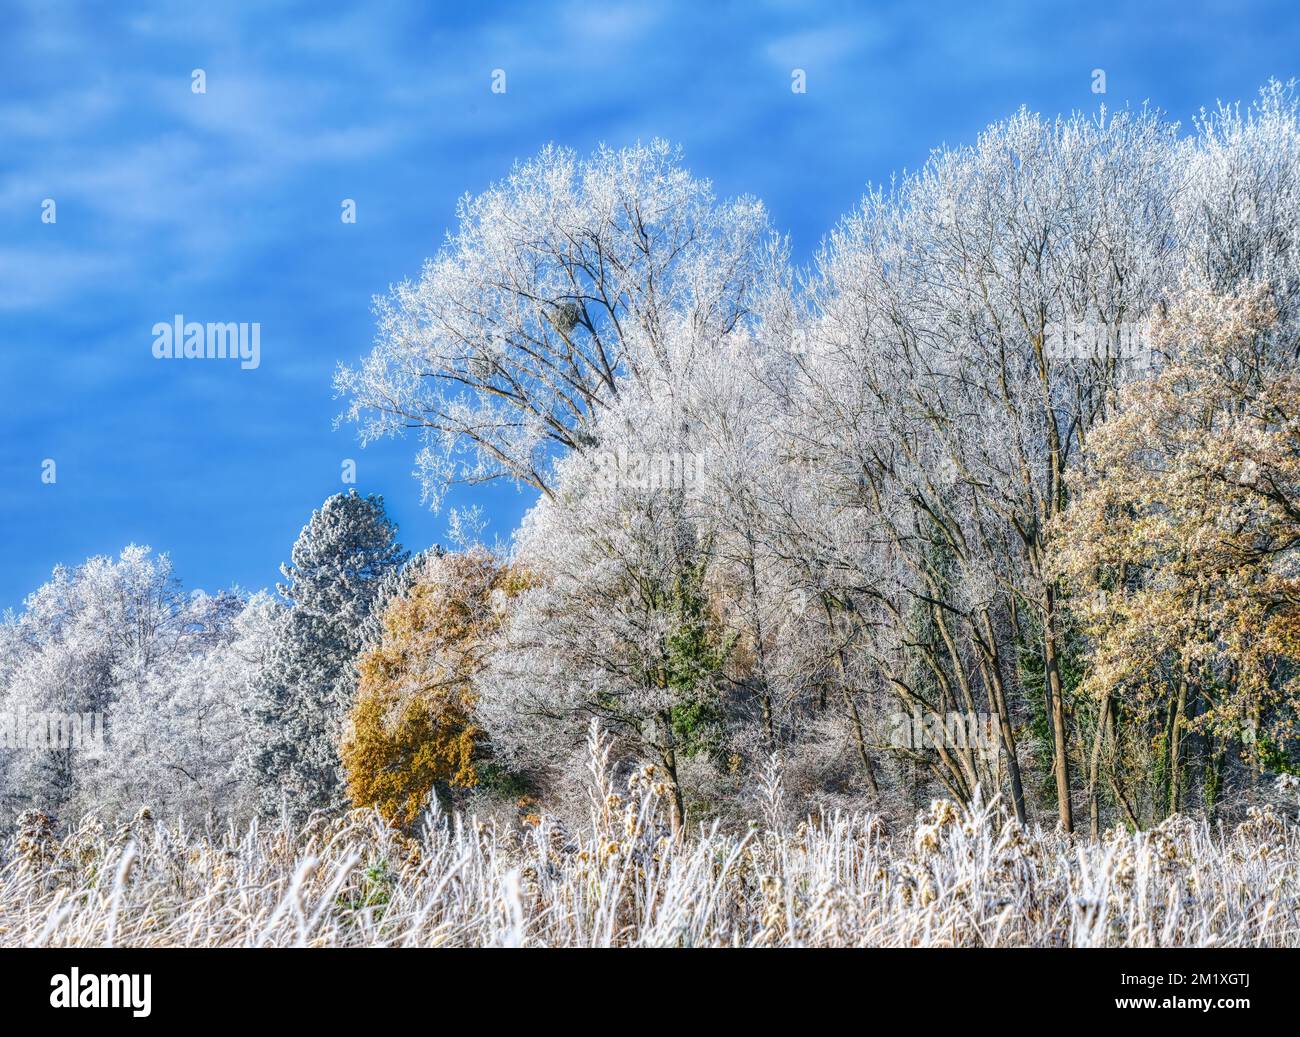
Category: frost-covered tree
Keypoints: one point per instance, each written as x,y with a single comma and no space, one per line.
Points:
178,736
84,639
952,397
393,585
558,283
339,564
1236,200
165,673
621,625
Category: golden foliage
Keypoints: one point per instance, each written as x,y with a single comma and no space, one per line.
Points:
412,724
1181,546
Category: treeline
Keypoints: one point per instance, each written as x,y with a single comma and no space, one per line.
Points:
1019,447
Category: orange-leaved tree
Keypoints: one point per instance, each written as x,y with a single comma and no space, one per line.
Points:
412,730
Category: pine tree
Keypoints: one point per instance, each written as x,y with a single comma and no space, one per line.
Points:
340,562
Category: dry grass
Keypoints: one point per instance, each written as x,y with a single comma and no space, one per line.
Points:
957,877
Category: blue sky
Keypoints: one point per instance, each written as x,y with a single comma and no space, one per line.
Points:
225,206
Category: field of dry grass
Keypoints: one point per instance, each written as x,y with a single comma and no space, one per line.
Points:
957,877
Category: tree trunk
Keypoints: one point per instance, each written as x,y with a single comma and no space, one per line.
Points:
1176,749
668,755
1094,770
1061,763
852,707
867,768
1005,730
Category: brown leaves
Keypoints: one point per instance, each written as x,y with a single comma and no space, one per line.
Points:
1180,543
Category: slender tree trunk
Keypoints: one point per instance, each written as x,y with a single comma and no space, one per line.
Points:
972,759
998,692
956,778
1053,504
1123,803
868,769
1094,770
668,755
1176,749
1176,764
1061,764
851,706
760,651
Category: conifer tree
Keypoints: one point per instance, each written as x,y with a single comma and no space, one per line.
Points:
340,561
